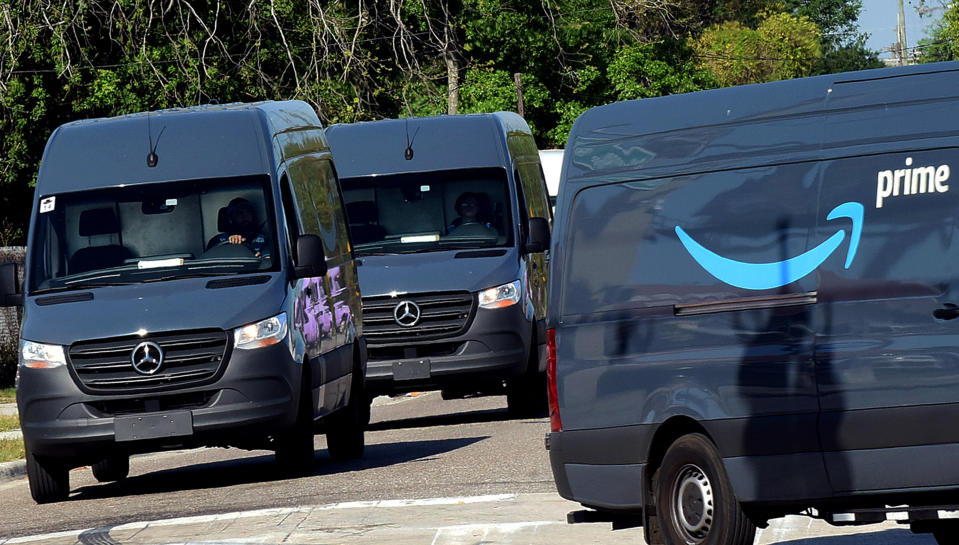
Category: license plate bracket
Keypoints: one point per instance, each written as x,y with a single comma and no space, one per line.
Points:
153,426
411,369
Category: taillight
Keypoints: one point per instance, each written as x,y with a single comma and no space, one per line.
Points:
554,421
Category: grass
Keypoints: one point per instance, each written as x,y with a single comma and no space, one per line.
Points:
11,449
8,395
9,423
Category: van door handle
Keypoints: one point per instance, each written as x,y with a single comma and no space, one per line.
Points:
948,311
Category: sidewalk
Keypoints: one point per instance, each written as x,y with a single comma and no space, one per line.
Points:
17,468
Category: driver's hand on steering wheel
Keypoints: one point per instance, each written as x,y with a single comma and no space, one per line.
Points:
237,239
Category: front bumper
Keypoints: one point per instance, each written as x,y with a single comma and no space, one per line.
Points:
494,348
255,396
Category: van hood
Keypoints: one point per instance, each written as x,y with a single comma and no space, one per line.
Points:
459,270
174,305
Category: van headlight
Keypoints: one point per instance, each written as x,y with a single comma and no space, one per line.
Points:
500,296
41,356
260,334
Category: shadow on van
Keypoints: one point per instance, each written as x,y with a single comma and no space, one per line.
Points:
258,469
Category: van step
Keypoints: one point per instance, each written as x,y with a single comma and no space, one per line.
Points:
902,514
620,520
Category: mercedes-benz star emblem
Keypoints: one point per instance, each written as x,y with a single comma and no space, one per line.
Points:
407,313
147,358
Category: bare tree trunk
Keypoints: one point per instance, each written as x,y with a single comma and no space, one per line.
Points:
453,78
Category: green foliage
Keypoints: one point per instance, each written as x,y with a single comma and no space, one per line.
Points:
783,46
651,70
358,60
943,43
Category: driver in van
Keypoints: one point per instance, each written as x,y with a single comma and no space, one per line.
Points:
243,229
469,206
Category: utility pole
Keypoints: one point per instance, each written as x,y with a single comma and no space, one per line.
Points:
901,55
518,77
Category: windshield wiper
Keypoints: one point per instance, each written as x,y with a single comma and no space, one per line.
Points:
80,286
191,275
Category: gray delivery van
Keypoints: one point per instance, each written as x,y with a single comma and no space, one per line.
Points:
753,307
450,218
189,282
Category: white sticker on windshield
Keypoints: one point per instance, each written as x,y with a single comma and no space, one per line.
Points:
424,188
171,202
48,205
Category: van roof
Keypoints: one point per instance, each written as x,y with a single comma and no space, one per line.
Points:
439,143
725,128
209,141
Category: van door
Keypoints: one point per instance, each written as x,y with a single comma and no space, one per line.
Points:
887,337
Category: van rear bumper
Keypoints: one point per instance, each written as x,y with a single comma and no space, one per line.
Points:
493,349
255,396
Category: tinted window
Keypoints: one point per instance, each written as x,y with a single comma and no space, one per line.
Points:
152,232
429,211
624,250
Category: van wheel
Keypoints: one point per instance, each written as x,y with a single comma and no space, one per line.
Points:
294,447
112,468
345,432
49,481
526,395
695,500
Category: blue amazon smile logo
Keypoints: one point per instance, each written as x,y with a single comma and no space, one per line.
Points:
764,276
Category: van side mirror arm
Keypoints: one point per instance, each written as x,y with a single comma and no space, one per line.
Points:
9,294
539,237
310,258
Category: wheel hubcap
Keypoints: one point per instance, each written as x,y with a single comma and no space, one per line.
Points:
693,501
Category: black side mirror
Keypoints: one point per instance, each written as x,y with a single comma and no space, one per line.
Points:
9,294
310,258
538,240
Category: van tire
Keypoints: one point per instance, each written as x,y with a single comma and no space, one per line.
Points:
526,395
695,501
345,438
49,481
294,451
111,468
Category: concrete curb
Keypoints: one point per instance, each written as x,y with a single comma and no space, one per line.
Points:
8,409
10,471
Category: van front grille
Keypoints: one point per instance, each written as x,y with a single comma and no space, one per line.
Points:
441,315
189,359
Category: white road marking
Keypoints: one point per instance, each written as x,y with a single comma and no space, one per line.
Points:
467,533
200,519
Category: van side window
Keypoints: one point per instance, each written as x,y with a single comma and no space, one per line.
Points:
320,204
534,189
289,211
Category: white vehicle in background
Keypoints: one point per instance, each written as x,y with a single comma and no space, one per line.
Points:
552,161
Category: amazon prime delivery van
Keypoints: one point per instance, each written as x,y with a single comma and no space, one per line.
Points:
752,307
450,218
189,281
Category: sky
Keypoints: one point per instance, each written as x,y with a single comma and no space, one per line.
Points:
878,19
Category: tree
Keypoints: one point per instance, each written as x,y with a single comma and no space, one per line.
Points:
783,46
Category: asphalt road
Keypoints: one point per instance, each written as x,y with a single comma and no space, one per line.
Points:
420,447
439,472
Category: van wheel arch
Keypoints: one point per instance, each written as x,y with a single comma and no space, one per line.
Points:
666,434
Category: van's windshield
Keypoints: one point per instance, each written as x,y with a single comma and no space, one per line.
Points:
429,211
155,232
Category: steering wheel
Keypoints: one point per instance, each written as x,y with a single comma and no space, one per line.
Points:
226,249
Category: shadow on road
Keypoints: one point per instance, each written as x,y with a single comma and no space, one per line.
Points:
883,537
451,419
258,469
